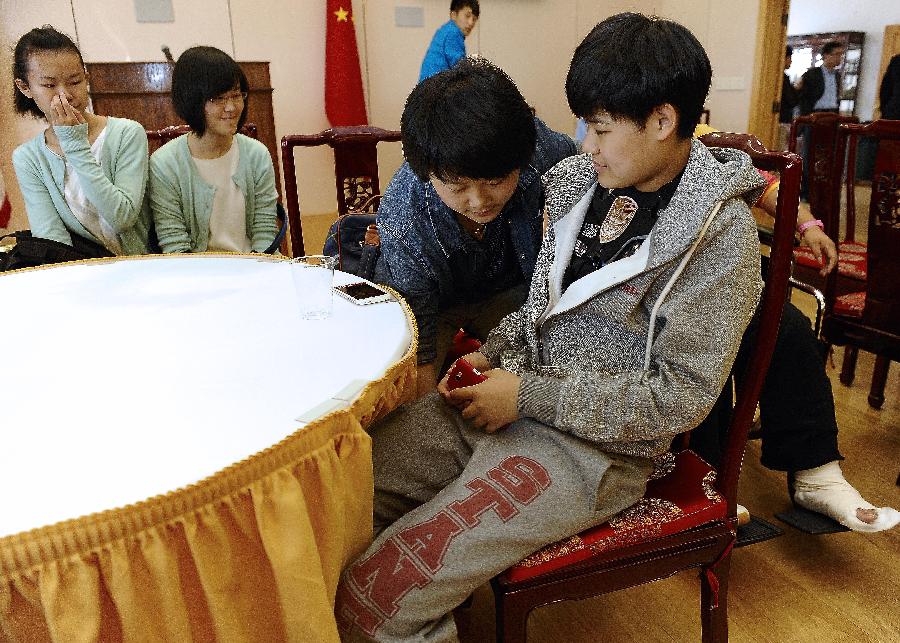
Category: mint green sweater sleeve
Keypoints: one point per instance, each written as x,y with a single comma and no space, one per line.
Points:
263,227
171,199
37,192
118,199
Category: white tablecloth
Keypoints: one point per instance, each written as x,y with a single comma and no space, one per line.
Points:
181,348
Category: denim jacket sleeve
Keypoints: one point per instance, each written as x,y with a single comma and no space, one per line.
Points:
402,264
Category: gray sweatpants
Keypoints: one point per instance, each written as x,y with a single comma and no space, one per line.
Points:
455,506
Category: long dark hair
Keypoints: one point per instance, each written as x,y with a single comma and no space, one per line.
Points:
44,38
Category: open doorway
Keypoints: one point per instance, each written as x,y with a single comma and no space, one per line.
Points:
873,18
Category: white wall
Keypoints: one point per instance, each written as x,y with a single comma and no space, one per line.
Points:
532,40
869,16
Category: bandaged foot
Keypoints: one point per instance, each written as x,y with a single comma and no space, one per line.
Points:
824,490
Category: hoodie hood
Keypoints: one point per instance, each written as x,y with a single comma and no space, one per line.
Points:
711,175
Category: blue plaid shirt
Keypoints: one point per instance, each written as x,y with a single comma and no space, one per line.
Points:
435,264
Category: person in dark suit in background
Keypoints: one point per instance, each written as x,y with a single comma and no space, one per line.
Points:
820,86
889,94
819,91
790,98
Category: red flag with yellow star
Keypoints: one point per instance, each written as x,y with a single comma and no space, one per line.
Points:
344,100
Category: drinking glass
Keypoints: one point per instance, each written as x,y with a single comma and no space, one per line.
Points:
313,276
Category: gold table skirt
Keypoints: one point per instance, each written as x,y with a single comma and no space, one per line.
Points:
252,553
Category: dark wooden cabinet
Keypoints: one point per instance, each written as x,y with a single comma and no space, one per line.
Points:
141,92
808,53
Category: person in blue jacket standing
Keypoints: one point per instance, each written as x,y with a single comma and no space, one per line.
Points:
448,46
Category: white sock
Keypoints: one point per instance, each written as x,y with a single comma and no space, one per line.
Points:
824,490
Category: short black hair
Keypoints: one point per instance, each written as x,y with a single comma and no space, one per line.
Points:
830,46
470,121
459,5
45,38
202,73
788,51
630,64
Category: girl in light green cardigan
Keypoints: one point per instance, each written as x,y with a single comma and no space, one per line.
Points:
212,189
84,176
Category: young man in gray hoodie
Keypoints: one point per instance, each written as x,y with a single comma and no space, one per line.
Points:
643,286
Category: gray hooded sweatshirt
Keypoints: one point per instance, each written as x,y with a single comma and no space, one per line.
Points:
639,350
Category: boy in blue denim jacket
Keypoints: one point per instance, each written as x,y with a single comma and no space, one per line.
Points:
461,221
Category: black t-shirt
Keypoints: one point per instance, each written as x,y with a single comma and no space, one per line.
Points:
492,258
595,248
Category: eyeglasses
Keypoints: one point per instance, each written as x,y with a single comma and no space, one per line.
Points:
235,99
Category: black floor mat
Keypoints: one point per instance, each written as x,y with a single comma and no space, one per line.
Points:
810,522
756,531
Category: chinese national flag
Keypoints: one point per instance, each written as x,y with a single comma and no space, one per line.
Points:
344,100
5,209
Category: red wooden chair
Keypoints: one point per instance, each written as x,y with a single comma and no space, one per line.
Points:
869,318
687,517
156,138
355,171
824,183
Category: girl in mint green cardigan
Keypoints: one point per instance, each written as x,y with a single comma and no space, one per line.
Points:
85,175
212,189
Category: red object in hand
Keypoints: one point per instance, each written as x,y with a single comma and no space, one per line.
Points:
463,374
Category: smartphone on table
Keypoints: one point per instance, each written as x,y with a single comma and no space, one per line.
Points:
363,293
462,373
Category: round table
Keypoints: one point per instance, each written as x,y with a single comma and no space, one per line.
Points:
185,399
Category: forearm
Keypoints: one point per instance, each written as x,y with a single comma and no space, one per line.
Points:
264,225
118,201
166,205
43,217
508,335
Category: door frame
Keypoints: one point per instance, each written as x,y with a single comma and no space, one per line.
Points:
890,48
765,96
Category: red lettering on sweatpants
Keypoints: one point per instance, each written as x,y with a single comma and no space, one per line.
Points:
387,576
350,611
485,497
522,477
430,540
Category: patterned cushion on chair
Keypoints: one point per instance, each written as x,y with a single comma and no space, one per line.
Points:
851,304
852,259
682,499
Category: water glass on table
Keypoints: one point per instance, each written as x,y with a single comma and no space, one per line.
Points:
313,276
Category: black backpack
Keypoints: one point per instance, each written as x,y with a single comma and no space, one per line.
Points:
353,239
31,251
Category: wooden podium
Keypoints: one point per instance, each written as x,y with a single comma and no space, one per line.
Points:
142,92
